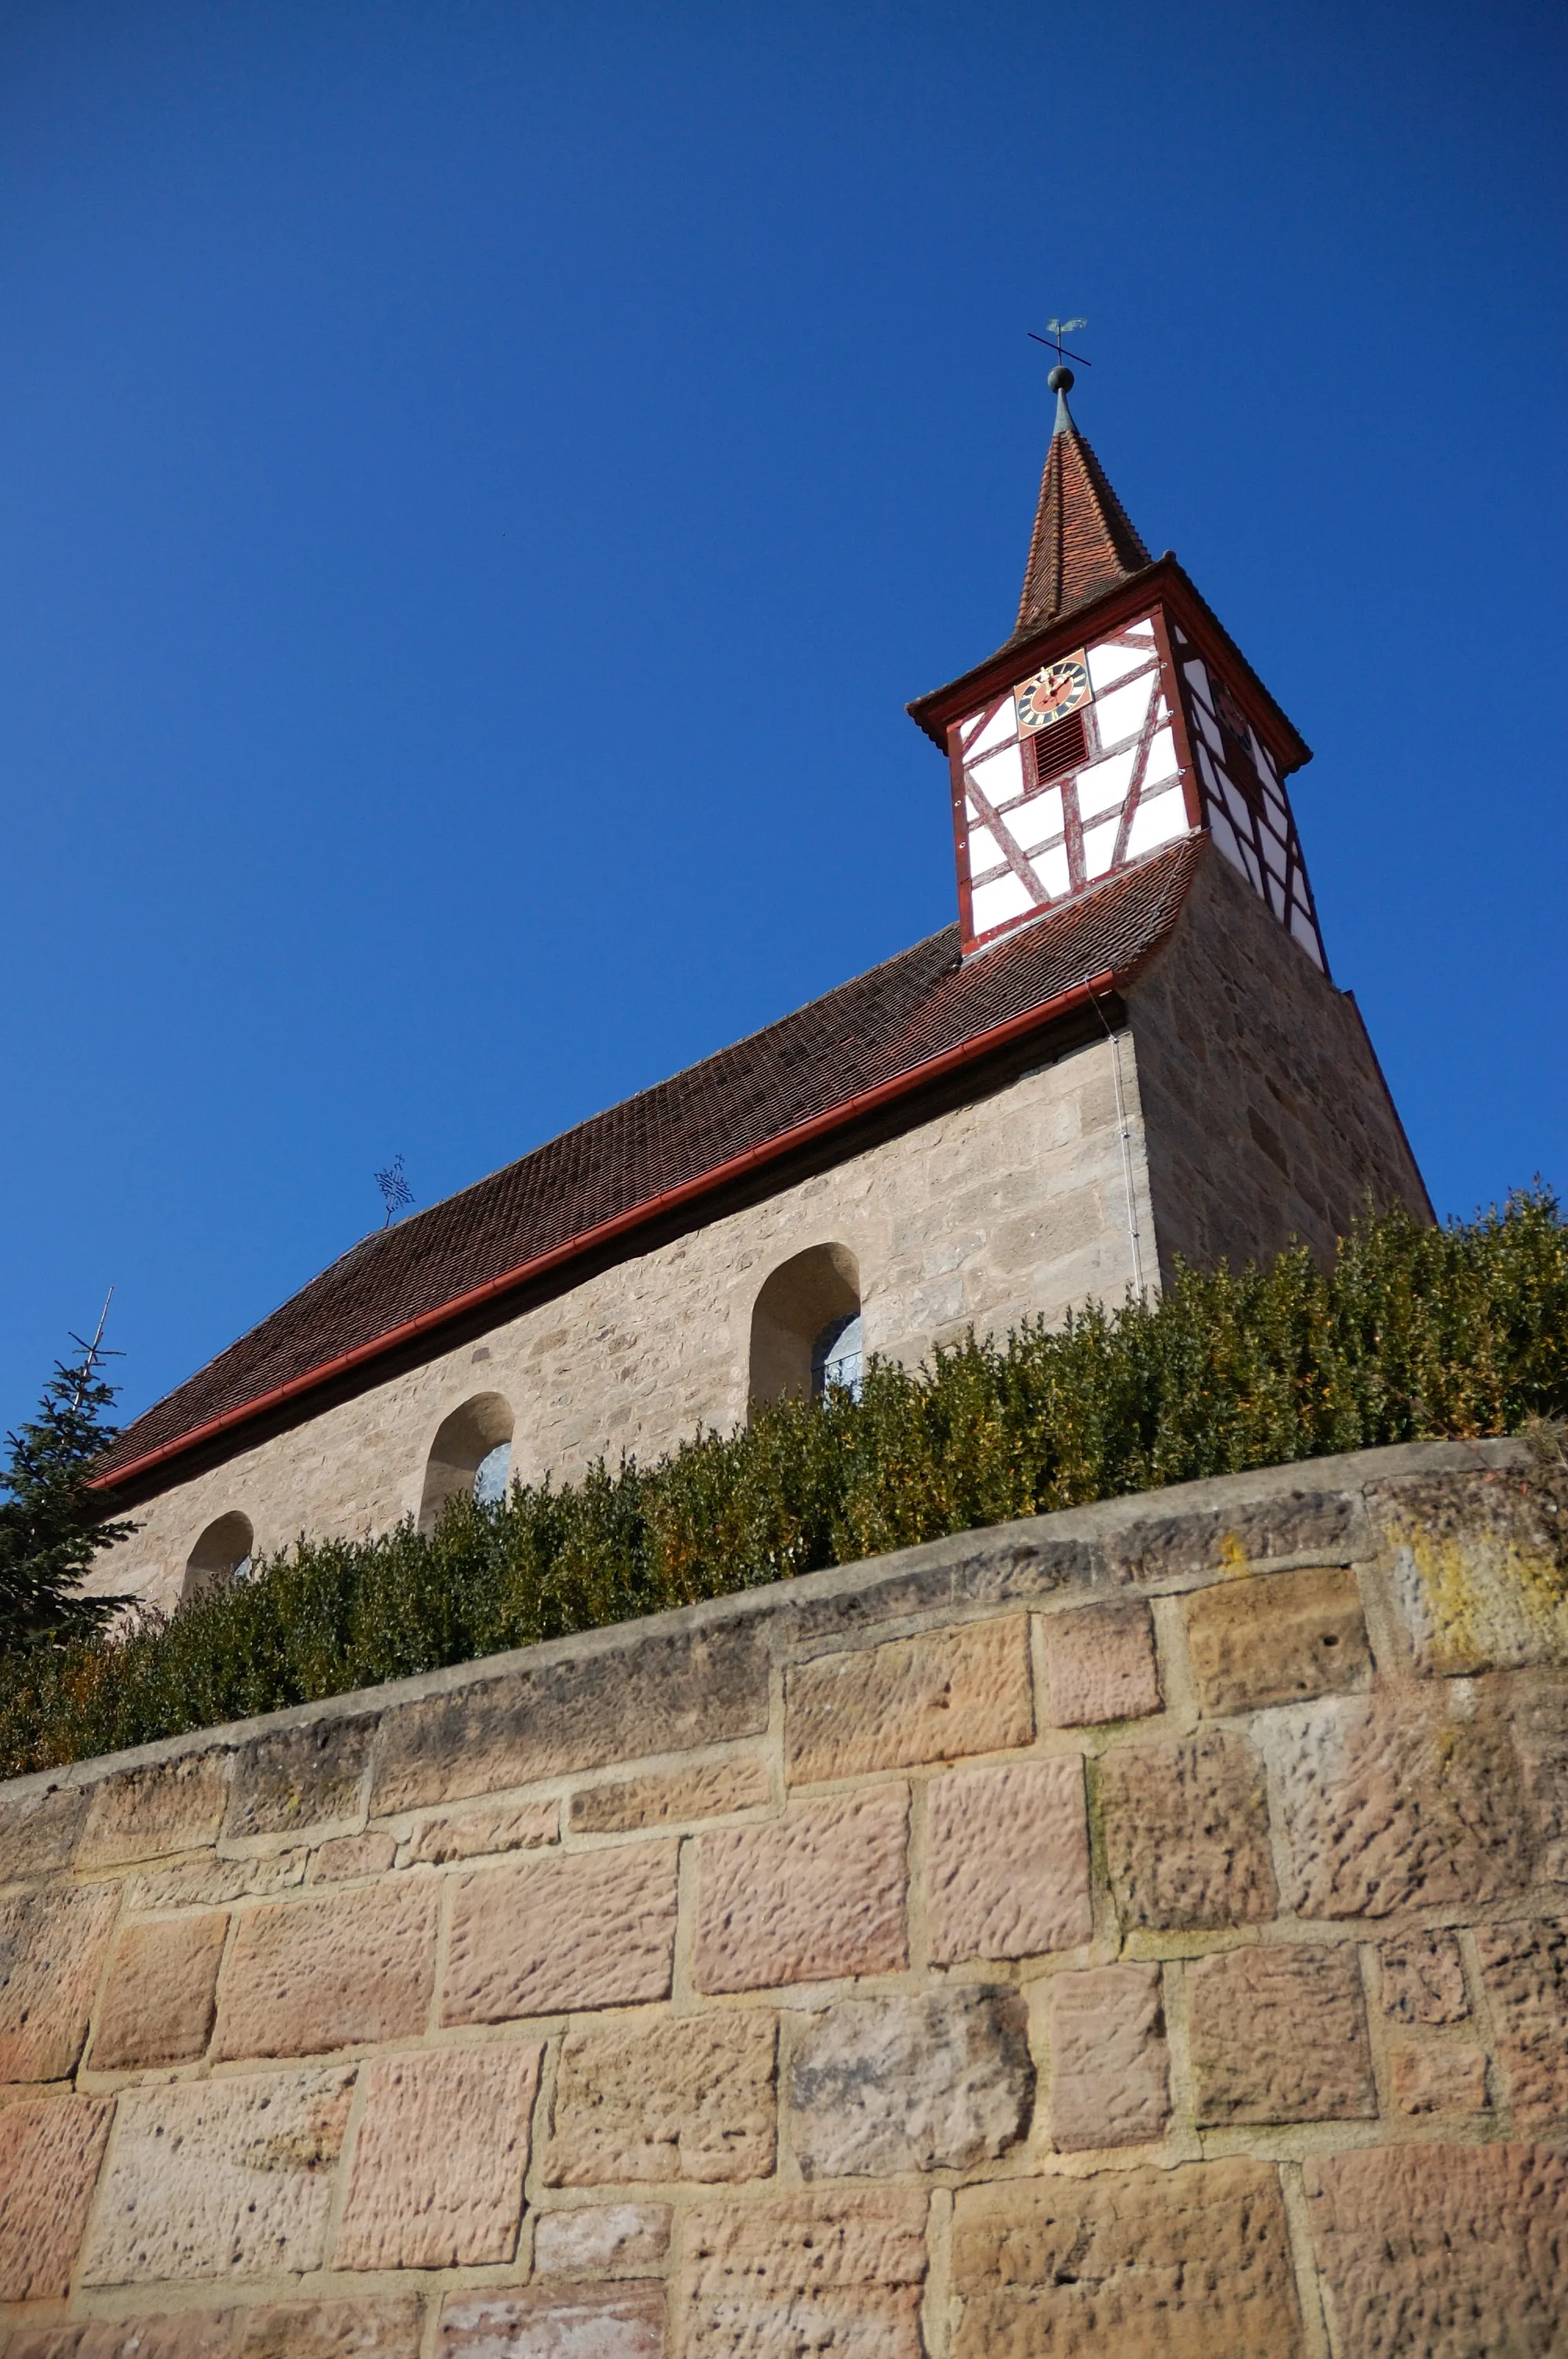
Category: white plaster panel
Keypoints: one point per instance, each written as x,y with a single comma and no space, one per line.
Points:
1002,724
1000,776
1159,819
1163,762
1122,713
994,904
1099,846
1037,821
1108,663
1198,676
985,853
1224,835
1051,868
1305,933
1104,784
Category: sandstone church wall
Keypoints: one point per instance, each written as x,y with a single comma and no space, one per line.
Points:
1013,1204
1142,1928
1266,1116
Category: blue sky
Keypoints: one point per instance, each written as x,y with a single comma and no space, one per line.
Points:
480,483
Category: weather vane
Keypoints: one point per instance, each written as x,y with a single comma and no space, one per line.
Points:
395,1190
1055,332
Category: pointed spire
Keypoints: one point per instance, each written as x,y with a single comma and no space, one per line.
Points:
1084,542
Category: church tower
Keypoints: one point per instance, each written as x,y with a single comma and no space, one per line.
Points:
1120,717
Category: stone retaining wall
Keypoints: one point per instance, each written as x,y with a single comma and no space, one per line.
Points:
1143,1929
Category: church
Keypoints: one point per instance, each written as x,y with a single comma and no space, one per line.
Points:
1126,1049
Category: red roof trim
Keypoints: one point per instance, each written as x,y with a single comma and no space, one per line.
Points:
799,1135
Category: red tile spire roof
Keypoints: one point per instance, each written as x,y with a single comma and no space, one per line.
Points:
1083,541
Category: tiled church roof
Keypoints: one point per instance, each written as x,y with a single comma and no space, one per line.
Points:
887,1030
1084,542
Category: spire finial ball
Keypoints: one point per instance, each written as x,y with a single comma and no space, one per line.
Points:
1061,380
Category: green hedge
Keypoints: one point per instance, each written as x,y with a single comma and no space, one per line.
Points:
1416,1332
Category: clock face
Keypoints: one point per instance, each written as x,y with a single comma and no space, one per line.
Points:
1058,688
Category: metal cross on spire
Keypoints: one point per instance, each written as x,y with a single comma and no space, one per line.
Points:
93,1353
1055,332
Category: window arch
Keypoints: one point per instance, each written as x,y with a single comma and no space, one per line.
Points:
471,1452
221,1554
806,1326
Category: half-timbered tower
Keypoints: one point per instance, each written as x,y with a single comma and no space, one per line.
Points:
1125,1049
1119,718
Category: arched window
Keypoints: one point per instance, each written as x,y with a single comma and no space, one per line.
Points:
222,1554
806,1326
471,1452
837,1357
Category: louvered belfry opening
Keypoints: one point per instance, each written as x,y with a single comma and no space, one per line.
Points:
1055,751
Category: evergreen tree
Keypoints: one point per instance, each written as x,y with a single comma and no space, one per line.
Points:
51,1525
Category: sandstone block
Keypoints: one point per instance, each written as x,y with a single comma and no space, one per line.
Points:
869,1604
587,1930
1399,1804
602,2240
1437,2080
816,1893
674,2100
1278,2033
838,2271
582,2322
1100,1665
1008,1861
524,1827
1524,1968
207,1881
297,1778
1446,2250
670,1798
305,1976
149,1814
928,1699
439,2160
190,2334
389,2329
1186,2264
1110,2069
934,2082
39,1831
1539,1724
1478,1562
221,2179
1155,1550
664,1693
1423,1980
371,1853
1186,1833
52,1946
987,1569
158,2006
1280,1637
50,2148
